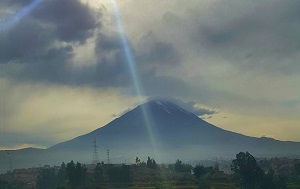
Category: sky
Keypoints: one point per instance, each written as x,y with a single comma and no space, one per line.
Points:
65,71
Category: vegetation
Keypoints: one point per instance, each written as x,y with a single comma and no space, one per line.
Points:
297,168
151,163
73,175
11,185
119,174
249,175
181,167
46,179
246,174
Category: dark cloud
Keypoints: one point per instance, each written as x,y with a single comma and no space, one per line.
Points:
25,42
65,22
155,84
50,24
71,19
13,4
110,54
263,37
151,50
110,70
42,44
18,2
107,43
51,67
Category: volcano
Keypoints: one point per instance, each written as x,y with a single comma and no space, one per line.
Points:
164,131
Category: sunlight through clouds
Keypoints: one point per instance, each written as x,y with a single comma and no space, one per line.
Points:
66,70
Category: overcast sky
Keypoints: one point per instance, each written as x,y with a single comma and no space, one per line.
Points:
65,71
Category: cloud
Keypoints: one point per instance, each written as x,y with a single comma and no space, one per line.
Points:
25,42
190,106
240,57
72,20
52,25
151,50
42,49
258,38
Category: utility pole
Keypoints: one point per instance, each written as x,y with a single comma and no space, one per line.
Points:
95,152
107,154
10,162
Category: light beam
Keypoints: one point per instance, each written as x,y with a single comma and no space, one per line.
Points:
15,19
133,73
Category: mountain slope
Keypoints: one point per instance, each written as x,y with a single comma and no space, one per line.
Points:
159,129
163,129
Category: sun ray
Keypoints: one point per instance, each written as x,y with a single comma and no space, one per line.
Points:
133,73
15,19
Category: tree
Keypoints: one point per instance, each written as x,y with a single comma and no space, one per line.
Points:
151,163
46,179
76,173
71,172
62,174
199,170
154,165
181,167
80,174
178,166
120,174
246,171
98,173
216,167
268,179
137,160
297,167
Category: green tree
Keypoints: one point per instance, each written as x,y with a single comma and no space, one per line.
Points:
80,174
151,163
71,172
178,166
46,179
154,165
120,174
181,167
280,182
199,170
76,173
297,167
248,174
268,179
62,174
137,160
216,167
98,173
